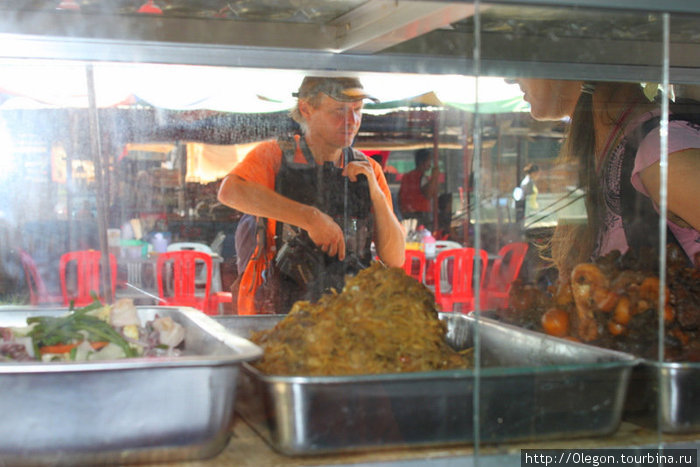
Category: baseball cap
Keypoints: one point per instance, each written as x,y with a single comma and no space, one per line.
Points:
340,89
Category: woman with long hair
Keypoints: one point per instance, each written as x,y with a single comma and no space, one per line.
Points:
614,136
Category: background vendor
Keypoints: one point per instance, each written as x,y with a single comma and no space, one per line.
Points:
418,189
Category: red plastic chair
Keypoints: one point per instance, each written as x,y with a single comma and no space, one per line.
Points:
414,264
454,269
38,293
440,245
87,266
502,274
179,269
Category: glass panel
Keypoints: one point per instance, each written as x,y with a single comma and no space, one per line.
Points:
318,11
519,128
551,52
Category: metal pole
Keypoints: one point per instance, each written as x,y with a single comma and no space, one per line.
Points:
182,207
467,185
436,166
96,152
73,126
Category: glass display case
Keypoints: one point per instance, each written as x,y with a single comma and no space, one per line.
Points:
564,138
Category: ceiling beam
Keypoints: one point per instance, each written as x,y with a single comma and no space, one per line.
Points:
168,30
379,24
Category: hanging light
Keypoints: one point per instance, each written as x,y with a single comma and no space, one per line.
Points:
150,8
68,5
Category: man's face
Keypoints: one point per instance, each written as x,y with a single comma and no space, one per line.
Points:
335,122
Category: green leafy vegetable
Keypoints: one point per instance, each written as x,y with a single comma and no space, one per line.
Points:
73,328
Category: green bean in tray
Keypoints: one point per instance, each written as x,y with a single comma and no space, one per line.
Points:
93,332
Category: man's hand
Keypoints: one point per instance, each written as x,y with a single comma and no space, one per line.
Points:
261,201
388,234
325,233
323,230
363,167
430,189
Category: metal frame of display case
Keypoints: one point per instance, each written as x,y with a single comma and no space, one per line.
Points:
358,41
17,46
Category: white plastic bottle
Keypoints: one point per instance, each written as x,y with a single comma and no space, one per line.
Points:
428,245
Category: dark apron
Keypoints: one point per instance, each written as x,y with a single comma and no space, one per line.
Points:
306,272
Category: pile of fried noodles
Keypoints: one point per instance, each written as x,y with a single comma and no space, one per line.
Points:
383,322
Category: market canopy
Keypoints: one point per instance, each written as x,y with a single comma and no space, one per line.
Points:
217,111
39,85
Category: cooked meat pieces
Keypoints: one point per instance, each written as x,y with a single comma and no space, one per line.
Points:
613,303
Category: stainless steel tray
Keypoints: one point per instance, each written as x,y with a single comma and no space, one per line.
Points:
665,396
123,411
531,386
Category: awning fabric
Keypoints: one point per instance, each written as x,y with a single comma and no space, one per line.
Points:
514,104
58,84
211,162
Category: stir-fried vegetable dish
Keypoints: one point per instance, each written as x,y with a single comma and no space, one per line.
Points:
383,322
94,332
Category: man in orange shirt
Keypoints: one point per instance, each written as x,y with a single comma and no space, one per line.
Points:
325,196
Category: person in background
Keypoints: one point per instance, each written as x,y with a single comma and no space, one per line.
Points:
286,180
418,189
387,174
615,137
526,194
85,211
444,230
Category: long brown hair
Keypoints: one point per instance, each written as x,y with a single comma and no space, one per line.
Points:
575,243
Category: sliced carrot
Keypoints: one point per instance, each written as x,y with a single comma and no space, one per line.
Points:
65,348
58,348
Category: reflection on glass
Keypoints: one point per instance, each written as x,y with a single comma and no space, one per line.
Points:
557,343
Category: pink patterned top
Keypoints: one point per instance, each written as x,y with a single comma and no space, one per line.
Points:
681,135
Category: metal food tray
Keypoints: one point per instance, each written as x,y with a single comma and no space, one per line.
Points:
665,396
123,411
532,386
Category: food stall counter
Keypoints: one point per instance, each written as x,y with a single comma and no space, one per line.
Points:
247,449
